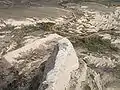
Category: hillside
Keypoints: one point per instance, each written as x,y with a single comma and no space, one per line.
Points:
74,46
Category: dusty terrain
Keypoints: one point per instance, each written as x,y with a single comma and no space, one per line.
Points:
75,47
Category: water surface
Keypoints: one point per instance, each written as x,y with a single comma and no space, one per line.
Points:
41,12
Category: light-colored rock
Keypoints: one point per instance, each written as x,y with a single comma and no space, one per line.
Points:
25,22
116,43
10,57
106,36
66,61
18,23
26,61
98,70
59,63
99,62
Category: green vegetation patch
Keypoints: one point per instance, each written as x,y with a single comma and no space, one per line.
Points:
95,43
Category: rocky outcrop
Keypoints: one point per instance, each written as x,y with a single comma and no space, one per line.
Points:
44,62
95,35
31,59
66,62
27,64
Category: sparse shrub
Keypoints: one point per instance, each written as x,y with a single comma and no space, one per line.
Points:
97,44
